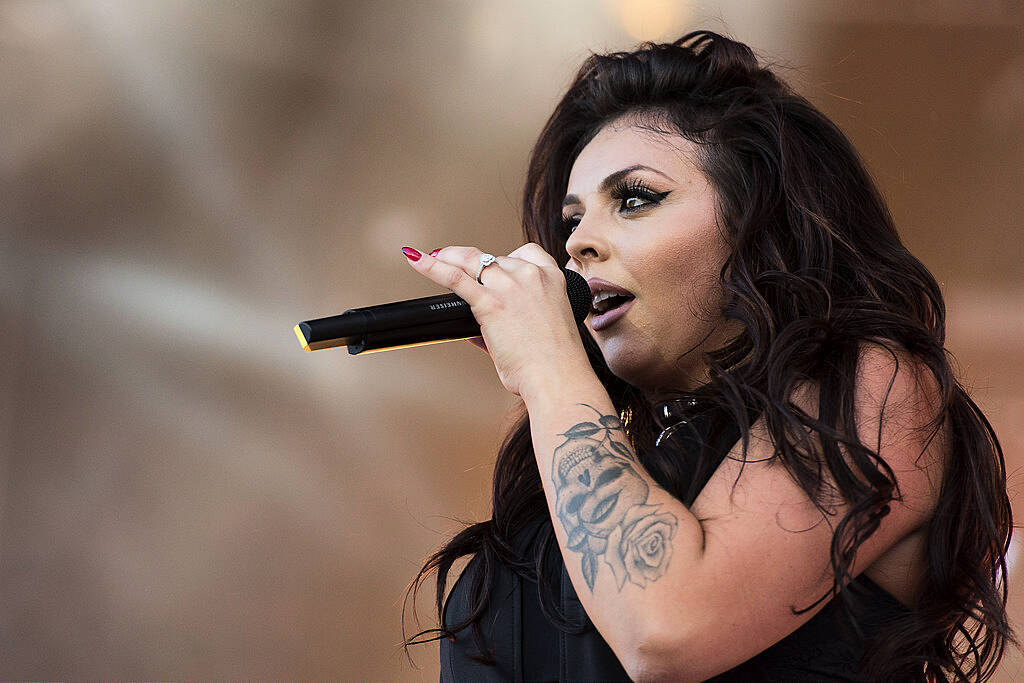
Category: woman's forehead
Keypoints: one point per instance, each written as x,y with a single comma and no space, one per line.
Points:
621,145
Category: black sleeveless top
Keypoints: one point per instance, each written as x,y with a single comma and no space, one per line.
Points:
528,647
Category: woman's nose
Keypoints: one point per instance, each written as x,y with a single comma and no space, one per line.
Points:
587,241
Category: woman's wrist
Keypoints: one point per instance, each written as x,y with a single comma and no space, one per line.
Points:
559,383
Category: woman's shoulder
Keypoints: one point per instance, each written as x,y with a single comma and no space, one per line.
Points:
896,400
890,375
898,430
900,411
886,374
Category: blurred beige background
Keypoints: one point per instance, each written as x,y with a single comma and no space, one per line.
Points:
186,494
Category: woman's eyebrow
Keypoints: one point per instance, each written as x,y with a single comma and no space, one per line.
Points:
612,179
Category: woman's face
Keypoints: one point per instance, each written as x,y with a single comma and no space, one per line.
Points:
650,230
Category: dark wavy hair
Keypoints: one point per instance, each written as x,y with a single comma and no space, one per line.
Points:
816,272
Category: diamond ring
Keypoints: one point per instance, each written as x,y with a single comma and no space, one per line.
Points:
485,260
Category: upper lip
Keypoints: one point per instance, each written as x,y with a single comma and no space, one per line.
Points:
597,286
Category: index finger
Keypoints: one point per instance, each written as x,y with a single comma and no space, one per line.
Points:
535,254
448,276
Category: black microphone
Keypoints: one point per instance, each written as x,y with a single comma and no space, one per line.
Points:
416,322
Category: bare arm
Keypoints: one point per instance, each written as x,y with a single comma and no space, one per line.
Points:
600,498
678,593
682,598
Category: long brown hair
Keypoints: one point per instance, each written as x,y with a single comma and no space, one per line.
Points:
816,270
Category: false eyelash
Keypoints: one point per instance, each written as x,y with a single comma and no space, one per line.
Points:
567,225
635,188
622,190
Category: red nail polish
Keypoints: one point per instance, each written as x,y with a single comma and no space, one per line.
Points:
411,254
435,252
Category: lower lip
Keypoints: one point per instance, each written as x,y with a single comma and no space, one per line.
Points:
608,318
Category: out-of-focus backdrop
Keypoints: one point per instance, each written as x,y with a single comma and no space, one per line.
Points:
185,493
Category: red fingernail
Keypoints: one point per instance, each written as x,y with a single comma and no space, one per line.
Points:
435,252
411,254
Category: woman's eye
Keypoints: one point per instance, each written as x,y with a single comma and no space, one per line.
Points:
569,224
636,195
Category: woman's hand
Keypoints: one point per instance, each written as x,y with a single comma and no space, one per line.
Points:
525,319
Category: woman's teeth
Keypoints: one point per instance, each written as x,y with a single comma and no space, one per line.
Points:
606,301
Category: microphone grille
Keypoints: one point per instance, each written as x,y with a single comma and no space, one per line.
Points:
578,290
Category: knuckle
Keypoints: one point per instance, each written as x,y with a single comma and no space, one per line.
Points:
486,304
466,255
533,273
495,303
452,278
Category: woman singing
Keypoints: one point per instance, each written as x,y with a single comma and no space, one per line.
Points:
752,462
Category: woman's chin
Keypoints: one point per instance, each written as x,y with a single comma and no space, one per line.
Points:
637,374
653,379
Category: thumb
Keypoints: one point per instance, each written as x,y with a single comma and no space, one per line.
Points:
479,343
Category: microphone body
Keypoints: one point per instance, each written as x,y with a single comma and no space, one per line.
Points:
415,322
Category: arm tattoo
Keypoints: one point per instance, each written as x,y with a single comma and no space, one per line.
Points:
601,500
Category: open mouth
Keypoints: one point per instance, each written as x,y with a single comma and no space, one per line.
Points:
608,307
607,301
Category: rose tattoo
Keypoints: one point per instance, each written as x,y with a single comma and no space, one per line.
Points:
601,501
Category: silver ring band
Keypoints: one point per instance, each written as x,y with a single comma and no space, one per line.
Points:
485,260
